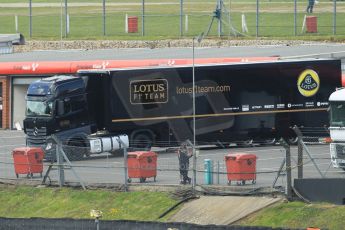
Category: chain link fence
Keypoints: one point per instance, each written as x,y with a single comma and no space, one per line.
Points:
174,18
249,168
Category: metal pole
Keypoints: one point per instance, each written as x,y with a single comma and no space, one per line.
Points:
288,172
66,19
30,18
295,18
300,158
218,171
16,23
61,174
219,8
125,161
143,18
103,17
61,23
257,18
125,155
181,18
334,17
194,155
97,223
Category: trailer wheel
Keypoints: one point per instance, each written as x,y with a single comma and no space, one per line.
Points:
142,141
246,143
269,141
142,179
292,140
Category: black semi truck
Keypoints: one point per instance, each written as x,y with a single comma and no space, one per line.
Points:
234,103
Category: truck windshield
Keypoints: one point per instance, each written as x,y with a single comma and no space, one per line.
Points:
39,108
337,113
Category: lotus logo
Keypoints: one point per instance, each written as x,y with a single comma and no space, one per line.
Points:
308,83
35,131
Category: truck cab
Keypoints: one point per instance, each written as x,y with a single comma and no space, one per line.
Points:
57,105
337,128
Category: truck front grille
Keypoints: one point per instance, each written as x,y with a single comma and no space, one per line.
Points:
36,136
339,150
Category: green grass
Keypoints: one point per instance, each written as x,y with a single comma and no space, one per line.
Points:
24,202
299,215
276,19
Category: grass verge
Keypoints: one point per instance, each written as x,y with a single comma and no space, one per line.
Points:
25,202
299,215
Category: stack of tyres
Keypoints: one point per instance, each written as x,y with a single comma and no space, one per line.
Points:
28,160
241,167
142,165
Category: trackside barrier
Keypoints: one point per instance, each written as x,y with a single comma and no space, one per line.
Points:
89,224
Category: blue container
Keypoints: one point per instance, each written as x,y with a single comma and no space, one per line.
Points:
208,175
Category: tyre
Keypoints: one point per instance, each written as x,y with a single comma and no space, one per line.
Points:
75,151
293,140
270,141
142,141
246,143
117,153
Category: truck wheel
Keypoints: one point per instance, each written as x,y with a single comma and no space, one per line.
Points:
75,152
117,153
269,141
292,140
142,141
246,143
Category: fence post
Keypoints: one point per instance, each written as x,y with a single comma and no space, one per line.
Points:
59,159
295,18
125,155
30,18
66,20
143,18
125,161
288,168
299,152
104,18
257,18
16,23
334,17
181,18
219,10
218,171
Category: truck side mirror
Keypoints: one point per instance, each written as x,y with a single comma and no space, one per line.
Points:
60,108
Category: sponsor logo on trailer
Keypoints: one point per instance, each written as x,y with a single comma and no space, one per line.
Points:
149,91
308,83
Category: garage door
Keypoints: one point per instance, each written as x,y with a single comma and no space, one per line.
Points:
20,86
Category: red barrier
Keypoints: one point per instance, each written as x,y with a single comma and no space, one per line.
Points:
71,67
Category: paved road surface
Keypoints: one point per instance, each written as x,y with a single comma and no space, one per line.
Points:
109,169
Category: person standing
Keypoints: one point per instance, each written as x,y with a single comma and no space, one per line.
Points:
310,6
183,156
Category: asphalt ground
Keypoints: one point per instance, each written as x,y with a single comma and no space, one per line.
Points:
314,50
108,169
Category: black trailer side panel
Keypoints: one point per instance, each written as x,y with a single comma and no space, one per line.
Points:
233,102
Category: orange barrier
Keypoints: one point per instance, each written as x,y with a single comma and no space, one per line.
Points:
71,67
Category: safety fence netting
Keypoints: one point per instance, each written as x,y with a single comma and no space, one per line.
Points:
213,167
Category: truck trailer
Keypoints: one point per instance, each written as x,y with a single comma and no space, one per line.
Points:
234,103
